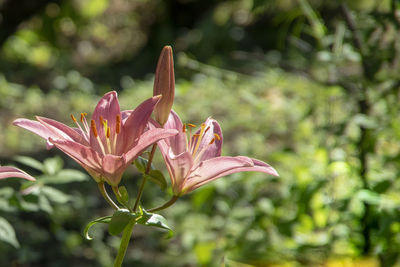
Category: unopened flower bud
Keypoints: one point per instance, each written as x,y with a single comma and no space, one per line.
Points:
164,84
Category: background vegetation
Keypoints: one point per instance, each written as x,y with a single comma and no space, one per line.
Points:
309,86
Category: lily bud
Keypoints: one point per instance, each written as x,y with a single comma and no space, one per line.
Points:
164,84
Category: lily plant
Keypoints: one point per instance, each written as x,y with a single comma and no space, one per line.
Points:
112,139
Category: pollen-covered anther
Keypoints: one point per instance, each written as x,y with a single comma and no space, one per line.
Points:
101,120
108,134
83,114
184,128
208,128
217,136
93,128
212,141
191,125
73,118
118,124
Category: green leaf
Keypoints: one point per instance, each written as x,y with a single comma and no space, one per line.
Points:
55,195
44,203
105,219
53,165
31,162
7,233
153,219
64,176
141,164
158,178
369,196
119,220
124,194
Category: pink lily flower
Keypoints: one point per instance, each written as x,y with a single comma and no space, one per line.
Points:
7,172
195,161
107,145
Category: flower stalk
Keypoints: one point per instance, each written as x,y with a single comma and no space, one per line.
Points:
126,236
148,167
103,192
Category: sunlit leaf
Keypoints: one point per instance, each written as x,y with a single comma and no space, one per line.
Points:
53,165
7,233
119,220
105,219
30,162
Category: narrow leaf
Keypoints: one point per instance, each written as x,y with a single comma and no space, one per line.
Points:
119,220
158,178
55,195
153,219
53,165
30,162
141,164
63,177
124,194
105,219
7,233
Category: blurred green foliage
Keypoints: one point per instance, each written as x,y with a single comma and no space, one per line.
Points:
310,87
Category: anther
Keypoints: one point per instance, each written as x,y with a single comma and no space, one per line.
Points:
118,124
73,118
208,128
93,127
217,136
191,125
83,116
101,120
184,128
108,132
212,141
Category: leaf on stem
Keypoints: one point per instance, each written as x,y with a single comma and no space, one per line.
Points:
105,219
119,221
158,178
155,220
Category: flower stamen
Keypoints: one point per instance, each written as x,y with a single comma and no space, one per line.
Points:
95,134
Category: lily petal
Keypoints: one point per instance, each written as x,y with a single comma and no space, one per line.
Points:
7,172
108,109
85,156
214,149
135,124
62,131
37,128
146,139
113,167
215,168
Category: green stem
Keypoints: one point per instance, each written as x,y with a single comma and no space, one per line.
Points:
106,196
153,150
126,236
166,205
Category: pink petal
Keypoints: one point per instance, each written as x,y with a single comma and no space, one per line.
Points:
113,167
146,139
37,128
108,109
210,150
135,124
84,155
179,167
173,122
214,168
62,131
7,172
